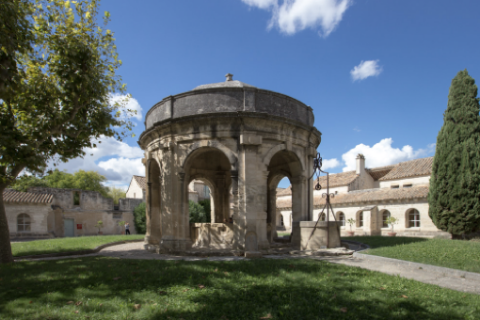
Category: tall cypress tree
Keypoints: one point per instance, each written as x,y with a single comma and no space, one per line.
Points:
454,197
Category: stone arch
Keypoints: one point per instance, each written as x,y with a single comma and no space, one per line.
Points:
231,156
274,150
212,165
213,190
412,218
383,215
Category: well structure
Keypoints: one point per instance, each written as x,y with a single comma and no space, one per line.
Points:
241,141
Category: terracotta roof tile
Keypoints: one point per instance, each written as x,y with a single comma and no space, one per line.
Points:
379,172
142,182
284,192
417,167
12,196
337,179
370,195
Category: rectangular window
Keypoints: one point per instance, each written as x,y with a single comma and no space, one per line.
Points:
76,198
407,185
395,186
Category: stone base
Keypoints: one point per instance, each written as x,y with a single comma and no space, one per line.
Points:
309,235
253,254
172,246
150,247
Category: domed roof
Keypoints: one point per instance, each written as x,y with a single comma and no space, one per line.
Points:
229,83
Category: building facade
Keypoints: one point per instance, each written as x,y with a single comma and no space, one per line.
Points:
50,212
370,196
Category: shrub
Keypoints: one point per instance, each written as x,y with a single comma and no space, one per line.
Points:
140,218
208,209
196,212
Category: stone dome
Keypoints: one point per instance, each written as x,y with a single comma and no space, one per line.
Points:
230,96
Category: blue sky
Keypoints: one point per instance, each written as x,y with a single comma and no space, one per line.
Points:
390,107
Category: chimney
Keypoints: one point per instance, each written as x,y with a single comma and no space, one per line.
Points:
360,164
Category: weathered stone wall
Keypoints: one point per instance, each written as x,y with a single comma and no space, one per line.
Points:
41,220
89,200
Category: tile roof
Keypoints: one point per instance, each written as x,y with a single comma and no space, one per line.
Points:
142,182
12,196
337,179
369,195
379,172
412,168
284,192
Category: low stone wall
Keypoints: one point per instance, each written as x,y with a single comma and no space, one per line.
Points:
307,236
212,235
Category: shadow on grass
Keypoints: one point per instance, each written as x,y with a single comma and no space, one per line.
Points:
379,241
286,289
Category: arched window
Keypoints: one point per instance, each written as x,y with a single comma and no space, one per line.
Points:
23,223
360,219
385,216
414,218
341,218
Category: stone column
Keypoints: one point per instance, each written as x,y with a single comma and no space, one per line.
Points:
299,207
175,226
252,186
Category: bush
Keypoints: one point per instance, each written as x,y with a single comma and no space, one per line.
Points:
196,212
206,206
140,218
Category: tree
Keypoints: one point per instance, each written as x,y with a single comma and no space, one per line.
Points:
59,98
85,180
196,212
453,199
207,208
115,194
139,214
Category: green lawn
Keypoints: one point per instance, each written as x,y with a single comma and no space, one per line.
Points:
108,288
66,244
456,254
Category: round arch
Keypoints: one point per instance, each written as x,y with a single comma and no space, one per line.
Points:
231,156
274,150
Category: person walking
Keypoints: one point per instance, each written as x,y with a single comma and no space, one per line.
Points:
127,228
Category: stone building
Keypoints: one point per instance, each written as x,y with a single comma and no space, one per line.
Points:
51,212
369,196
239,140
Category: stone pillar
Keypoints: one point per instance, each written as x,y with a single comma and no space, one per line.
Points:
175,225
252,186
299,207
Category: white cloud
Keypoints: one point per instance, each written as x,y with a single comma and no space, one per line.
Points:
366,69
125,162
382,154
131,105
330,163
291,16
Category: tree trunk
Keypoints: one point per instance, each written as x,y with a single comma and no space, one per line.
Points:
5,247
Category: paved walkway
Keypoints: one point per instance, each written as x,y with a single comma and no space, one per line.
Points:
427,274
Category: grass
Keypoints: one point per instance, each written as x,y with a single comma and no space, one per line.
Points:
66,244
456,254
283,234
108,288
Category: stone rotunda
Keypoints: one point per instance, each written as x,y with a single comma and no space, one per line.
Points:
241,141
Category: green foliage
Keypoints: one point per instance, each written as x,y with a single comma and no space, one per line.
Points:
59,96
139,214
99,225
207,208
392,221
196,212
454,202
116,193
351,222
85,180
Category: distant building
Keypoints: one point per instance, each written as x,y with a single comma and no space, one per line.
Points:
197,189
51,212
369,196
